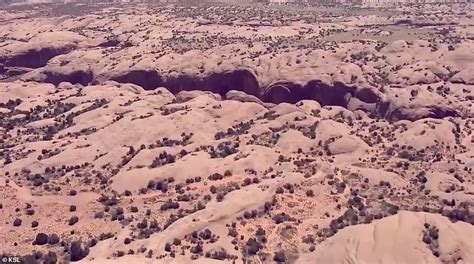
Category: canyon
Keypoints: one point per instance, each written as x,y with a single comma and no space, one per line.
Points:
241,133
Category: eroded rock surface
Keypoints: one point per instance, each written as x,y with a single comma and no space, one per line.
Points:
142,133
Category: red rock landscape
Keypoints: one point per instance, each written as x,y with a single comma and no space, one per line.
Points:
237,133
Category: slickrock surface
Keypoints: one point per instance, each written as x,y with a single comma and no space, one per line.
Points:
246,134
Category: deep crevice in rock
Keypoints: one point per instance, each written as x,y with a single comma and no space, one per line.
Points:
148,79
325,94
413,114
239,80
244,80
35,58
280,92
74,77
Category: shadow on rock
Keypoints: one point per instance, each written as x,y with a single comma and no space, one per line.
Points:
36,58
240,80
148,79
83,77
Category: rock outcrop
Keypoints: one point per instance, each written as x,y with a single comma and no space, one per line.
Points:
35,56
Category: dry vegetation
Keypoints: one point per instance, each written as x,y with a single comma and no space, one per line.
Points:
245,134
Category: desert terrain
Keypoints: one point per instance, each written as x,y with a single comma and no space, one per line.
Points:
244,133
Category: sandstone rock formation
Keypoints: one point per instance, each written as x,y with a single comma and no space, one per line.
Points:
218,133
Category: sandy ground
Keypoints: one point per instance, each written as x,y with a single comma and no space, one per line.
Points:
237,134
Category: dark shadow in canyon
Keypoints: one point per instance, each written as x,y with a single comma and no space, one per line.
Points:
240,80
83,77
244,80
35,58
325,94
148,79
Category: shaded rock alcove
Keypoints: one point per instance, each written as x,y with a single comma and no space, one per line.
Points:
83,77
240,80
246,81
36,57
149,79
326,94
